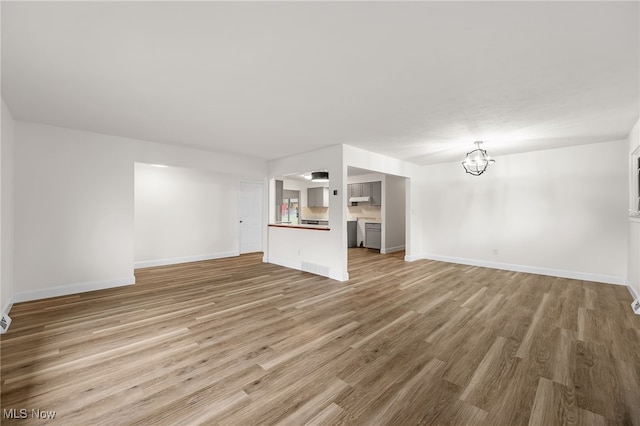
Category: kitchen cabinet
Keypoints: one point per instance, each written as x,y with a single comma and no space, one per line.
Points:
373,190
355,190
376,193
366,189
360,189
318,197
373,235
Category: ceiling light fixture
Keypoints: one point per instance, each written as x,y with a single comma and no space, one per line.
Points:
477,161
320,176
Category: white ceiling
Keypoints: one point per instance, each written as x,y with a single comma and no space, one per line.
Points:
418,81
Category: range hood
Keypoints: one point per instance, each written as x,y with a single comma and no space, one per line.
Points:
360,199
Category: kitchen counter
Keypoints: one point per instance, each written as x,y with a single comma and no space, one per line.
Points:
369,220
310,227
321,222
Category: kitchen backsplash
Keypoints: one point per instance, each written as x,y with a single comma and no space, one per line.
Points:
364,210
317,213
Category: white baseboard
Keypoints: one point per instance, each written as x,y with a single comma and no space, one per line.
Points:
584,276
391,249
185,259
46,293
634,294
7,308
342,277
413,257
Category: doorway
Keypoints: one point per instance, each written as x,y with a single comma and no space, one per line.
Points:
250,216
376,214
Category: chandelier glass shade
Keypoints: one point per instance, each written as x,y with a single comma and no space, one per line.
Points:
477,161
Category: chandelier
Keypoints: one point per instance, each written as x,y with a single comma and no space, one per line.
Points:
477,161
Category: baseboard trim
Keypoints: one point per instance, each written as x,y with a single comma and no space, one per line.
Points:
392,249
7,308
584,276
633,292
185,259
414,257
27,296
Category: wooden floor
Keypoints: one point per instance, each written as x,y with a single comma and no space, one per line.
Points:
237,342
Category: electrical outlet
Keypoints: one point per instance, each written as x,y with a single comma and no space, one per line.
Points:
495,251
636,306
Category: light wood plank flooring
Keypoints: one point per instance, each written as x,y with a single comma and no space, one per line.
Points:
237,342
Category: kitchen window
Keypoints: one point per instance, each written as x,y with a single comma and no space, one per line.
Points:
290,207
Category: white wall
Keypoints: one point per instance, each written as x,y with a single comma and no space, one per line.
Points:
633,277
558,212
7,147
74,205
184,215
74,211
320,252
394,213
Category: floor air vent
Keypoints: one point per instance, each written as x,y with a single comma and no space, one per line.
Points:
5,321
314,268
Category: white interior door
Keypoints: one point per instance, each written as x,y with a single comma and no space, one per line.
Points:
250,216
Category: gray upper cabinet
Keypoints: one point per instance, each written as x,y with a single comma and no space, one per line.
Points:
370,189
318,197
355,190
376,193
366,189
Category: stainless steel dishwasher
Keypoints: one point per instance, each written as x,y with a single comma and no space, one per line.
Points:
373,235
